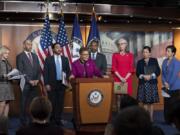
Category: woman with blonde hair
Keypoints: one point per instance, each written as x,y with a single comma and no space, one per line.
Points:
6,90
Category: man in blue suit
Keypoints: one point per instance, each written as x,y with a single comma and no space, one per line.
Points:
54,68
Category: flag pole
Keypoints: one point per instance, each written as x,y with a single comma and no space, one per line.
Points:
47,7
61,5
93,11
42,87
93,32
76,9
62,37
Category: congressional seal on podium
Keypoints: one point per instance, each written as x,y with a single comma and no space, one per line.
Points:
95,97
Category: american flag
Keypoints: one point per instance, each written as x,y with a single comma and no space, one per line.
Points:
62,39
44,49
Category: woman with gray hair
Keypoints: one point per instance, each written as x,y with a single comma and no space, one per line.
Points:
6,90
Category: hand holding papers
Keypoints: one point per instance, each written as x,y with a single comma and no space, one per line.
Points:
165,93
15,74
64,79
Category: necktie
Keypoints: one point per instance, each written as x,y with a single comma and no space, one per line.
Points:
30,58
93,56
58,69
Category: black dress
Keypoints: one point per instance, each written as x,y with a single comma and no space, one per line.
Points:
148,93
148,90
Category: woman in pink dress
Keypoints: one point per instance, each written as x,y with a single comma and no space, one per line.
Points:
122,64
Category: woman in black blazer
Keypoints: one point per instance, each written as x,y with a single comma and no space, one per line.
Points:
147,72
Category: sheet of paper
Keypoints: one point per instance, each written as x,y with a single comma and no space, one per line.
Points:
14,72
64,80
22,82
165,94
15,77
21,78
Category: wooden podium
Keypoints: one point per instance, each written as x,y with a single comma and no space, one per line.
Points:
92,103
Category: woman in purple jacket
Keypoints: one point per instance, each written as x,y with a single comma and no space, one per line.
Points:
84,67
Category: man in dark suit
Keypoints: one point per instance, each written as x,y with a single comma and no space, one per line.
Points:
56,69
99,58
28,64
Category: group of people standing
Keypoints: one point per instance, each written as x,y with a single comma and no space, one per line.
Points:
55,67
88,65
147,71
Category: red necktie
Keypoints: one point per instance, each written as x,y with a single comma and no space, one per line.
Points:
30,58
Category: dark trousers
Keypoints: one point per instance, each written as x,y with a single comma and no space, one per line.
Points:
28,94
168,104
56,96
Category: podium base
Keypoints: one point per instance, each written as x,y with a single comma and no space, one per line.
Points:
89,133
91,129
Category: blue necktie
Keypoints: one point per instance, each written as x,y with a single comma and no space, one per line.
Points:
93,56
58,69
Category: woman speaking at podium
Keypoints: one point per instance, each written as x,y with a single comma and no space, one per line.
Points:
84,67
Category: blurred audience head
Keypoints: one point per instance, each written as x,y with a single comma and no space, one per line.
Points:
40,108
127,101
3,125
132,121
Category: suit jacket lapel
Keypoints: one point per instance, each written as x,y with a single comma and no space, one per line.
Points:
33,58
97,57
53,62
62,59
27,59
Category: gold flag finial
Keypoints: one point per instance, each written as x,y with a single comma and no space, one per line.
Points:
76,10
93,9
61,7
47,7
